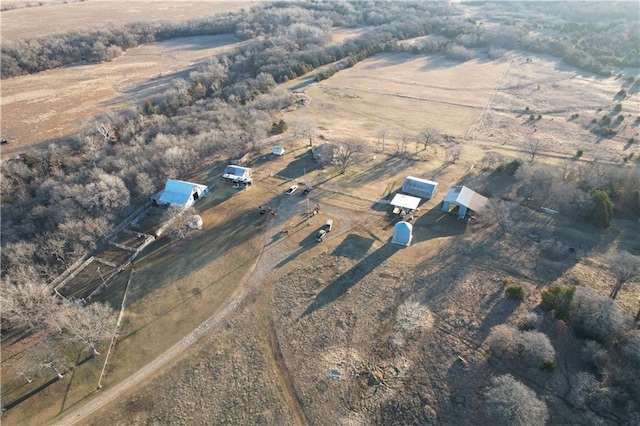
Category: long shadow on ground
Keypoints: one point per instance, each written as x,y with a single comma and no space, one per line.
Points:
350,278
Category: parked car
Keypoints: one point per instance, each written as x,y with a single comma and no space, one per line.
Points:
323,231
307,190
291,189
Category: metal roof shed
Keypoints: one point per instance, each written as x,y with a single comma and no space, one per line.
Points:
465,198
181,193
237,174
405,201
402,234
419,187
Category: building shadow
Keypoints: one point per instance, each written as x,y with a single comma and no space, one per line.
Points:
353,276
353,246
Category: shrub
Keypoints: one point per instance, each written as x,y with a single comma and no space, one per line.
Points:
536,349
528,322
606,120
621,94
602,212
539,117
631,141
598,317
526,109
617,108
557,300
279,127
515,292
509,168
509,402
620,118
594,121
549,366
531,347
579,153
532,117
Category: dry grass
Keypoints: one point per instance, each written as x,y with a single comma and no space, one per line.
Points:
48,105
59,17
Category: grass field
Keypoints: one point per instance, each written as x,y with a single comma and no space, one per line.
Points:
56,103
59,17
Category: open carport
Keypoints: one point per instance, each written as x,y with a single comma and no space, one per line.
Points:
406,203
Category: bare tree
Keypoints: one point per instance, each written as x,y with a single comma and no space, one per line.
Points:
598,317
534,146
89,324
625,267
26,305
509,402
426,137
308,128
453,153
49,354
348,151
381,132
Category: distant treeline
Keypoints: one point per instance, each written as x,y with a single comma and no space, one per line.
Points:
43,53
581,40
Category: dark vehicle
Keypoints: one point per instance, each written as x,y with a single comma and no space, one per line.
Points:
307,190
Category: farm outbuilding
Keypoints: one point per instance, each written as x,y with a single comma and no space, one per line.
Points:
181,193
403,202
419,187
402,234
278,150
237,174
464,198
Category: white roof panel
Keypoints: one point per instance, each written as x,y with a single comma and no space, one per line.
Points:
405,201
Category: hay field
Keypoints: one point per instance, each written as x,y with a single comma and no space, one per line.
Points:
58,17
482,101
406,92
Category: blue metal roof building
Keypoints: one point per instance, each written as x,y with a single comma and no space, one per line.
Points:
181,193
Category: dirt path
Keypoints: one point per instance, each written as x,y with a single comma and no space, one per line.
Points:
250,281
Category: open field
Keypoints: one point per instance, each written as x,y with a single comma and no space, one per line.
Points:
60,102
58,17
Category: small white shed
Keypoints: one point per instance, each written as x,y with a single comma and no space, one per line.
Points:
278,150
402,234
237,174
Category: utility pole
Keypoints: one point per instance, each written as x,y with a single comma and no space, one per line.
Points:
100,273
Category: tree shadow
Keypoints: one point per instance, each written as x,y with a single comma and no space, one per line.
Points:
342,284
303,163
307,243
436,223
